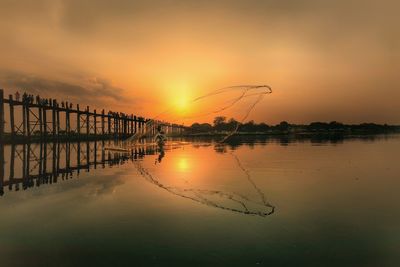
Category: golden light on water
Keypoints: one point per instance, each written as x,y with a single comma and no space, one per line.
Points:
182,165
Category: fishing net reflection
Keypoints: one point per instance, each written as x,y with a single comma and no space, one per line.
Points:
229,201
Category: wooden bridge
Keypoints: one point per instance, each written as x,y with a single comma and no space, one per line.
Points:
32,118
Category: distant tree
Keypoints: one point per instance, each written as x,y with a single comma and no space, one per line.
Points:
219,120
195,125
249,126
334,125
317,126
204,127
283,126
262,127
232,123
220,123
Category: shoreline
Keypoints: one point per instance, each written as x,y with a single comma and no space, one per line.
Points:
8,139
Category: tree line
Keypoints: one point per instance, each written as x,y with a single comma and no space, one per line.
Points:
222,124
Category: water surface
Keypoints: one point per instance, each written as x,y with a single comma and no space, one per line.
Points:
257,201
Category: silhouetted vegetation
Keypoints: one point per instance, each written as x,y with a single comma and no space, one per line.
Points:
222,125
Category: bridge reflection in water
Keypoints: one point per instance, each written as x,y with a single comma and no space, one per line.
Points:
35,164
28,165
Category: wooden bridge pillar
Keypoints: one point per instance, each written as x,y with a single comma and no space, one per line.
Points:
78,120
95,122
109,124
87,121
43,159
95,155
58,120
78,156
87,156
135,122
115,126
54,166
102,122
44,121
24,120
125,125
132,129
67,119
53,118
12,121
40,113
28,121
68,157
12,160
28,162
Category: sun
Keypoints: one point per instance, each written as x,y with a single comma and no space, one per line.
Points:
182,104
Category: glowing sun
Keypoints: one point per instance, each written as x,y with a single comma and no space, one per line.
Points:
182,104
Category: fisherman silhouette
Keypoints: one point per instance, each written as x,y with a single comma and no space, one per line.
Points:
160,139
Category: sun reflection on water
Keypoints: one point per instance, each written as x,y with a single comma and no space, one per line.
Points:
182,165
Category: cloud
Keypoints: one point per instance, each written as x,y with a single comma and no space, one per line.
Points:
88,90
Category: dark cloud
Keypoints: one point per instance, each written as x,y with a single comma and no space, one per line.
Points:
88,90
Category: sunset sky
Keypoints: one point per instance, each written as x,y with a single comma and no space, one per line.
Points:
325,60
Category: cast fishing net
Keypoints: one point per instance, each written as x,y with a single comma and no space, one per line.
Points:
230,106
224,111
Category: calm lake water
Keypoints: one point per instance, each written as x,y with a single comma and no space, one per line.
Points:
255,202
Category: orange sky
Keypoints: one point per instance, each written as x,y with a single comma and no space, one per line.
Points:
325,60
